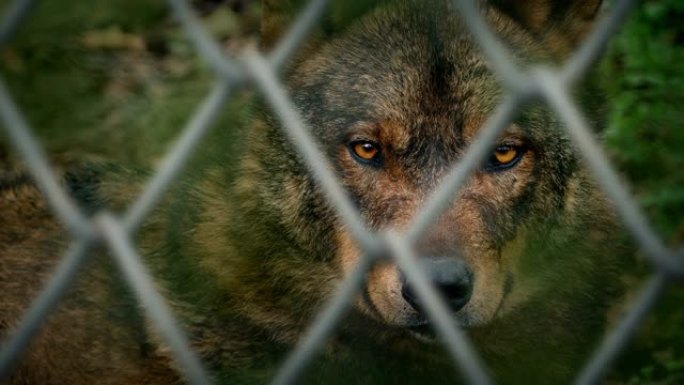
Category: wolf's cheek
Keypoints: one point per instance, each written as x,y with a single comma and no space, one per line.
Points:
488,291
381,296
493,240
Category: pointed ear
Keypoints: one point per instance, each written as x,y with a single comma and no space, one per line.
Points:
557,20
278,15
539,15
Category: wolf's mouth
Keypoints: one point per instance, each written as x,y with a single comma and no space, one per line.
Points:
425,331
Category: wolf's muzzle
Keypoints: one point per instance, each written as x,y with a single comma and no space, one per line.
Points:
452,277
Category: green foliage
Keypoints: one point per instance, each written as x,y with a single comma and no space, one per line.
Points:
646,85
108,80
645,81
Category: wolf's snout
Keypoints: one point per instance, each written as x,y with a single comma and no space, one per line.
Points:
452,278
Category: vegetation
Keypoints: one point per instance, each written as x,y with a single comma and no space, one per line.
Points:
645,135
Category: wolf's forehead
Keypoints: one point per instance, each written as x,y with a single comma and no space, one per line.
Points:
417,69
413,70
418,63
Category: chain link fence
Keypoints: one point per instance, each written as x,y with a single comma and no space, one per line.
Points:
261,71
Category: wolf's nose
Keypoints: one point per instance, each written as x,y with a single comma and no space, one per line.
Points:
452,278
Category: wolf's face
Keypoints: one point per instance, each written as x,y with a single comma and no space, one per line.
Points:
471,249
396,103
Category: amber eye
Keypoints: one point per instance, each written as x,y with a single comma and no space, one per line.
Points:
504,157
505,154
365,151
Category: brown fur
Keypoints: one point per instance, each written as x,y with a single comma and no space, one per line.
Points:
248,262
90,335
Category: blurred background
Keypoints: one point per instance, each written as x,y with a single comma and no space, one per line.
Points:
117,81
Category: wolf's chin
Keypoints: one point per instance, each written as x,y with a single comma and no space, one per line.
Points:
427,331
424,333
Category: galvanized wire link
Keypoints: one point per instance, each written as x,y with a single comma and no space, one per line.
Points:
152,302
444,194
594,46
618,339
264,76
253,68
323,325
12,18
456,343
63,277
178,156
207,46
496,54
36,160
297,34
632,216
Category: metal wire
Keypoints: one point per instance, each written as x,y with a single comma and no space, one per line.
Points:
207,46
444,194
174,163
12,18
578,128
265,78
36,160
151,300
323,325
498,57
40,309
296,35
457,344
616,342
593,47
261,72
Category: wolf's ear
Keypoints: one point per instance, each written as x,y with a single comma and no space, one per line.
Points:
278,15
540,15
568,20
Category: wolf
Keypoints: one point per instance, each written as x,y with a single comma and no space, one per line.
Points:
527,255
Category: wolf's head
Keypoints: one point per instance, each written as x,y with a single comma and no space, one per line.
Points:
395,100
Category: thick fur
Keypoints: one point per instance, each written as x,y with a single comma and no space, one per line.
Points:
248,258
